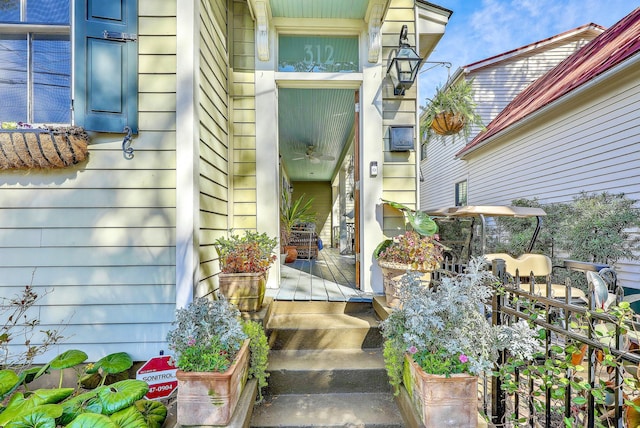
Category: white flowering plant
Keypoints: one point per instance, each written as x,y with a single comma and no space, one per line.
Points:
445,329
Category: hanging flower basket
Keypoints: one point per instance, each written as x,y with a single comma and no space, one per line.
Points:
447,123
42,148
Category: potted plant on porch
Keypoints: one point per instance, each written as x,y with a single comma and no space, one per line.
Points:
244,263
216,352
416,250
450,112
292,214
439,340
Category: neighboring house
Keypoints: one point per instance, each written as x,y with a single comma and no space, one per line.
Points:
497,80
574,129
221,96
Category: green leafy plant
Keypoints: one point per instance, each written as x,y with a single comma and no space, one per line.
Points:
457,100
204,330
208,334
446,321
419,252
259,359
252,252
118,404
294,213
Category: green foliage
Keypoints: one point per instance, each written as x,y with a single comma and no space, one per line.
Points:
457,98
259,359
420,221
421,252
293,213
446,321
208,356
252,252
558,368
592,228
204,329
440,362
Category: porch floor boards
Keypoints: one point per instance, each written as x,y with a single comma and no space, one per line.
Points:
330,277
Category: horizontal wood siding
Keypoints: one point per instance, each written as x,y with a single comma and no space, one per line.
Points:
590,145
214,136
97,240
399,168
244,119
494,87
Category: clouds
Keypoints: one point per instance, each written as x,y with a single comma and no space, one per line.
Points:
479,29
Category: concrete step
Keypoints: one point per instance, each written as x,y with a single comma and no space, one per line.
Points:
327,371
329,410
280,307
324,331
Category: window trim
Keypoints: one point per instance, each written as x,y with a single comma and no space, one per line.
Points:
458,201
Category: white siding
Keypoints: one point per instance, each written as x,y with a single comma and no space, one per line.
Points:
591,144
495,85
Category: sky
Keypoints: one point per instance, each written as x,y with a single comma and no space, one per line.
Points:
480,29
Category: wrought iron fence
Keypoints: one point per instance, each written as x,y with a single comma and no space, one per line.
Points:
587,370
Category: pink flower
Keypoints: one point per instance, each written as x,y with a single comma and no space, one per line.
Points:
191,341
464,358
412,350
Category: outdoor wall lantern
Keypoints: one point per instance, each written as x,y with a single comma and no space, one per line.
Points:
403,68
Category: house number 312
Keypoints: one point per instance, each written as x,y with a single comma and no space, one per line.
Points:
318,59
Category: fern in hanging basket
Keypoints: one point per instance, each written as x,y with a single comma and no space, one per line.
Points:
450,112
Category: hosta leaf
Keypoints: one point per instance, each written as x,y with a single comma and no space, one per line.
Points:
112,363
153,412
129,418
92,420
29,375
8,380
89,402
122,394
21,404
67,359
40,417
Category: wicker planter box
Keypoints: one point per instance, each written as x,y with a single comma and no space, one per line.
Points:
245,290
442,401
210,398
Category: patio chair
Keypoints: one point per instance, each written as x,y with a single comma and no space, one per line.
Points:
540,266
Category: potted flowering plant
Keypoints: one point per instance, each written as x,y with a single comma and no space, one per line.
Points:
215,352
414,250
244,264
439,340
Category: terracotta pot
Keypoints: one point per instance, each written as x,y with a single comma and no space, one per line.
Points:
245,290
391,275
210,398
576,357
442,401
447,123
292,253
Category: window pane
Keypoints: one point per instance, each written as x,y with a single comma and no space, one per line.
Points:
51,79
48,11
9,10
315,54
13,78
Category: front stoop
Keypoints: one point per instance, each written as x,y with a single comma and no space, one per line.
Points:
326,368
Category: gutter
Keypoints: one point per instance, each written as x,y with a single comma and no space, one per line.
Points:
611,73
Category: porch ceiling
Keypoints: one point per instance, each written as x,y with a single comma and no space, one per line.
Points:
314,127
325,9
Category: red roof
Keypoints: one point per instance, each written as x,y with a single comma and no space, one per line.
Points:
610,48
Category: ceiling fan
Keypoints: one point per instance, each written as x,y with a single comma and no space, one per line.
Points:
313,156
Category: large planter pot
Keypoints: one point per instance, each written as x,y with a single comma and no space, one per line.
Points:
210,398
442,401
245,290
391,275
292,253
447,123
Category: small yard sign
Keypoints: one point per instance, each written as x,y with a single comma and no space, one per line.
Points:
160,373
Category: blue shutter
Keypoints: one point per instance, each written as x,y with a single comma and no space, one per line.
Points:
106,65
